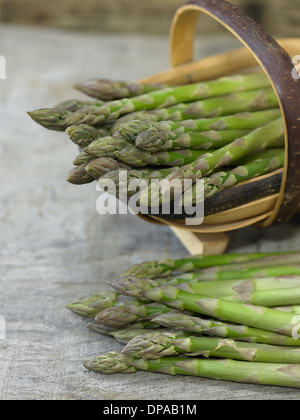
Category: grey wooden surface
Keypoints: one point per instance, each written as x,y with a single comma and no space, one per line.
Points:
54,247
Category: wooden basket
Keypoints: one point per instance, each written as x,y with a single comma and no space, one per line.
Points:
275,59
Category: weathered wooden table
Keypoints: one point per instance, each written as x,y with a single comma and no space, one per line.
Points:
54,247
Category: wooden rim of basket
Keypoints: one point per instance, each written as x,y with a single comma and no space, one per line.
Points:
278,66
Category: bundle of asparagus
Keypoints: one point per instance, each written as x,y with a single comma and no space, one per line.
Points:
174,317
217,130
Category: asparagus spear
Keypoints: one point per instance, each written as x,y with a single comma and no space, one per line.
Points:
240,288
75,104
83,159
138,158
84,134
55,118
106,146
90,306
133,126
209,111
108,90
120,316
232,272
257,140
79,176
253,166
260,295
220,369
138,328
89,113
249,291
215,263
226,105
259,164
277,297
172,344
103,165
175,95
109,363
124,335
295,309
51,118
240,313
204,140
213,327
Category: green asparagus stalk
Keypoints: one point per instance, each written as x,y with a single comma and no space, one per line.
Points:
206,108
204,140
90,306
121,316
89,113
165,268
213,327
259,164
240,313
172,344
240,288
237,272
295,309
257,140
276,374
109,90
75,104
277,297
179,113
51,118
124,335
83,159
138,158
209,111
266,292
79,176
178,94
131,128
106,146
82,135
55,118
109,363
232,285
103,165
101,329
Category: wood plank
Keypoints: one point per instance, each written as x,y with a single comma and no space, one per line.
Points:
277,17
202,243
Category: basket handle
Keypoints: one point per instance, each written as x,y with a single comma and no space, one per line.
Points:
277,65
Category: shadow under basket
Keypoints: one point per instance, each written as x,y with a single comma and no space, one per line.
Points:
262,201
